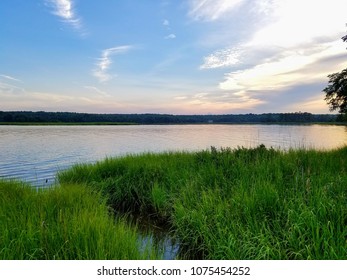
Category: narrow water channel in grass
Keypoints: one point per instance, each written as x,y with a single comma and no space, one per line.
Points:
163,242
156,235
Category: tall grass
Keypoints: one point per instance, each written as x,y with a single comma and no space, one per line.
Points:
233,204
67,222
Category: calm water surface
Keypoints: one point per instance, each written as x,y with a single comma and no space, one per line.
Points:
36,153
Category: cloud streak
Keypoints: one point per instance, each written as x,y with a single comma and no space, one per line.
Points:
218,102
211,10
7,87
97,90
10,78
65,10
105,61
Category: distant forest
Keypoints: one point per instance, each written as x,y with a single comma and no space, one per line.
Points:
68,117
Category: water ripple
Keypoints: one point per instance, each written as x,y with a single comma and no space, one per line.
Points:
36,153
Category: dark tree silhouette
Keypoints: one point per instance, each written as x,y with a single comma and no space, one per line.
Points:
69,117
336,91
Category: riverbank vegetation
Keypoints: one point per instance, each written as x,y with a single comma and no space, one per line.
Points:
67,222
256,203
65,123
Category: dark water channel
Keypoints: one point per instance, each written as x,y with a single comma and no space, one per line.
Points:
162,241
156,235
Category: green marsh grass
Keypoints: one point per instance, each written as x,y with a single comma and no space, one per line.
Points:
67,222
256,203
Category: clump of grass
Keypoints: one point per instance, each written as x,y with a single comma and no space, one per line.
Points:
66,222
255,203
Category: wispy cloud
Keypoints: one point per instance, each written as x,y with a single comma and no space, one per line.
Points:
166,24
10,78
210,10
180,97
97,90
217,102
170,36
105,61
7,86
65,10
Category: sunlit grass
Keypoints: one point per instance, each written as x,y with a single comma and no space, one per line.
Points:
234,204
255,203
67,222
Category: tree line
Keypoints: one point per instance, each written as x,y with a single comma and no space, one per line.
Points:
69,117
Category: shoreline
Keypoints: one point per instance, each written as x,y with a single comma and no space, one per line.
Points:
203,123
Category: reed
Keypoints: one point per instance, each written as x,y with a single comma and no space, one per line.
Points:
68,222
255,203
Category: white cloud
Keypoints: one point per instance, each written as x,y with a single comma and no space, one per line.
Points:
222,58
166,22
10,78
65,10
283,50
287,69
105,61
295,21
289,24
170,36
210,10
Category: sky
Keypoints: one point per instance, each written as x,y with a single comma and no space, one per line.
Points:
170,56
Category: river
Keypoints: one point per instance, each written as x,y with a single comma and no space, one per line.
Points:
35,153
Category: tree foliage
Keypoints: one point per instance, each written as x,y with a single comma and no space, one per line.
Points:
336,91
68,117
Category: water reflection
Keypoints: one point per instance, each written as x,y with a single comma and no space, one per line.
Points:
166,246
36,153
155,234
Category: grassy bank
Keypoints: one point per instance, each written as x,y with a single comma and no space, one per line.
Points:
220,204
68,222
234,204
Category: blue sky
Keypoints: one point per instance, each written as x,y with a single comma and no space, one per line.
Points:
169,56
